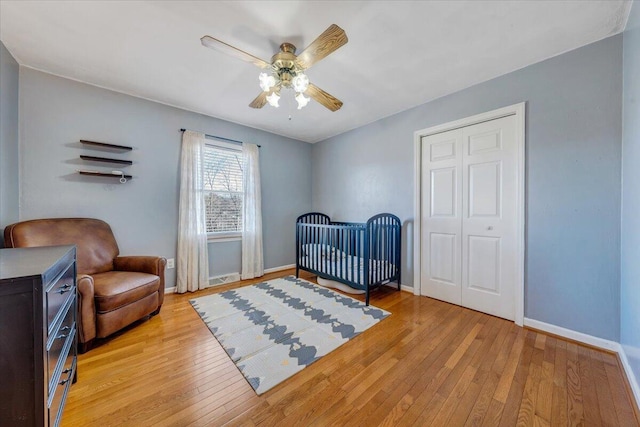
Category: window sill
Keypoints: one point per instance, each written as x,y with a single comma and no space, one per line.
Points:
223,237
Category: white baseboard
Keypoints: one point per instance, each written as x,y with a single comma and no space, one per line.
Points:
282,267
572,335
171,290
404,288
633,381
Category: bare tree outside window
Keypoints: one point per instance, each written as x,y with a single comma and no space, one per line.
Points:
223,189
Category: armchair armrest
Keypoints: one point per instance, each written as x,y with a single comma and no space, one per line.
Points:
86,308
144,264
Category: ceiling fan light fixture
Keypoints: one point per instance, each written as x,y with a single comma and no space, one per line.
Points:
273,99
267,81
286,69
300,82
302,100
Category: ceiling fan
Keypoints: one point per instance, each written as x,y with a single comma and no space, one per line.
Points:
286,69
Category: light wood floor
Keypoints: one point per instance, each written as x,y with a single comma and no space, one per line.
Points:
428,364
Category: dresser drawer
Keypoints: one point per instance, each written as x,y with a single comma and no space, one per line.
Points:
59,393
59,346
57,294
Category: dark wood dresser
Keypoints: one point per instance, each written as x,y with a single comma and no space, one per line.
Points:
38,343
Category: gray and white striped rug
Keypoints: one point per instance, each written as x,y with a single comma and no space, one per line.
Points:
274,329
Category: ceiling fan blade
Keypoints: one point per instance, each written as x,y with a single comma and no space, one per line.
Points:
332,39
322,97
260,100
223,47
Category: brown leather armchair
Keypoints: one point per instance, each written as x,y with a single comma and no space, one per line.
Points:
113,291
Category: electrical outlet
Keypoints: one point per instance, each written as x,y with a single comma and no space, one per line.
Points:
170,263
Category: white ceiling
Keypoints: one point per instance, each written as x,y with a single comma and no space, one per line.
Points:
400,53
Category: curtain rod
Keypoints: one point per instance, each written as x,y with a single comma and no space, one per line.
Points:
220,138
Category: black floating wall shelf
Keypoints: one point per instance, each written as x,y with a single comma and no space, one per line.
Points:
104,174
106,160
105,145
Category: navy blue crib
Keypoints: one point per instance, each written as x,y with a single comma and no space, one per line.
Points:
361,255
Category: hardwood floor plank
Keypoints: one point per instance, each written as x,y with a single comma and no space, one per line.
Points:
605,399
544,400
590,397
387,406
574,387
516,388
624,411
540,341
559,401
502,391
483,401
429,363
451,400
526,414
494,414
482,362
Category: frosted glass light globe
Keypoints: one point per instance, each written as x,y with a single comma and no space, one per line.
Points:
302,100
300,82
267,81
273,99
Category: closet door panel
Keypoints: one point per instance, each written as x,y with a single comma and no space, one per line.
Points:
441,216
488,225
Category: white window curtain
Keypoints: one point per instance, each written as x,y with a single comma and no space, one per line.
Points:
193,259
252,261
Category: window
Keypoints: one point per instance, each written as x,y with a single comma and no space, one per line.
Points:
223,189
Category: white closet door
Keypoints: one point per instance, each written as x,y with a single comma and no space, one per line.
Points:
469,216
441,216
489,223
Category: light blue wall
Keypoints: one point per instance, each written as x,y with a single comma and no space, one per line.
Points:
9,77
573,168
630,249
56,113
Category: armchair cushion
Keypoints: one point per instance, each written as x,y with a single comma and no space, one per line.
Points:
115,289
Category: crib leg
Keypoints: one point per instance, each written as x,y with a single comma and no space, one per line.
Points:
367,297
297,272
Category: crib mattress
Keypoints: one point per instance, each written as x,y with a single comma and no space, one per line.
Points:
341,267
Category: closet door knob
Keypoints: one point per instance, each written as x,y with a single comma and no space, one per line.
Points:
490,228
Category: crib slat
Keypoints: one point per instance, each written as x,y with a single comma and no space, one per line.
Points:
314,253
387,256
338,257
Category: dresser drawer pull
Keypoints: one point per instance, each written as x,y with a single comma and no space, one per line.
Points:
63,382
61,336
66,371
64,289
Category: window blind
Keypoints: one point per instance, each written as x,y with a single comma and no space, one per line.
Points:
223,189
